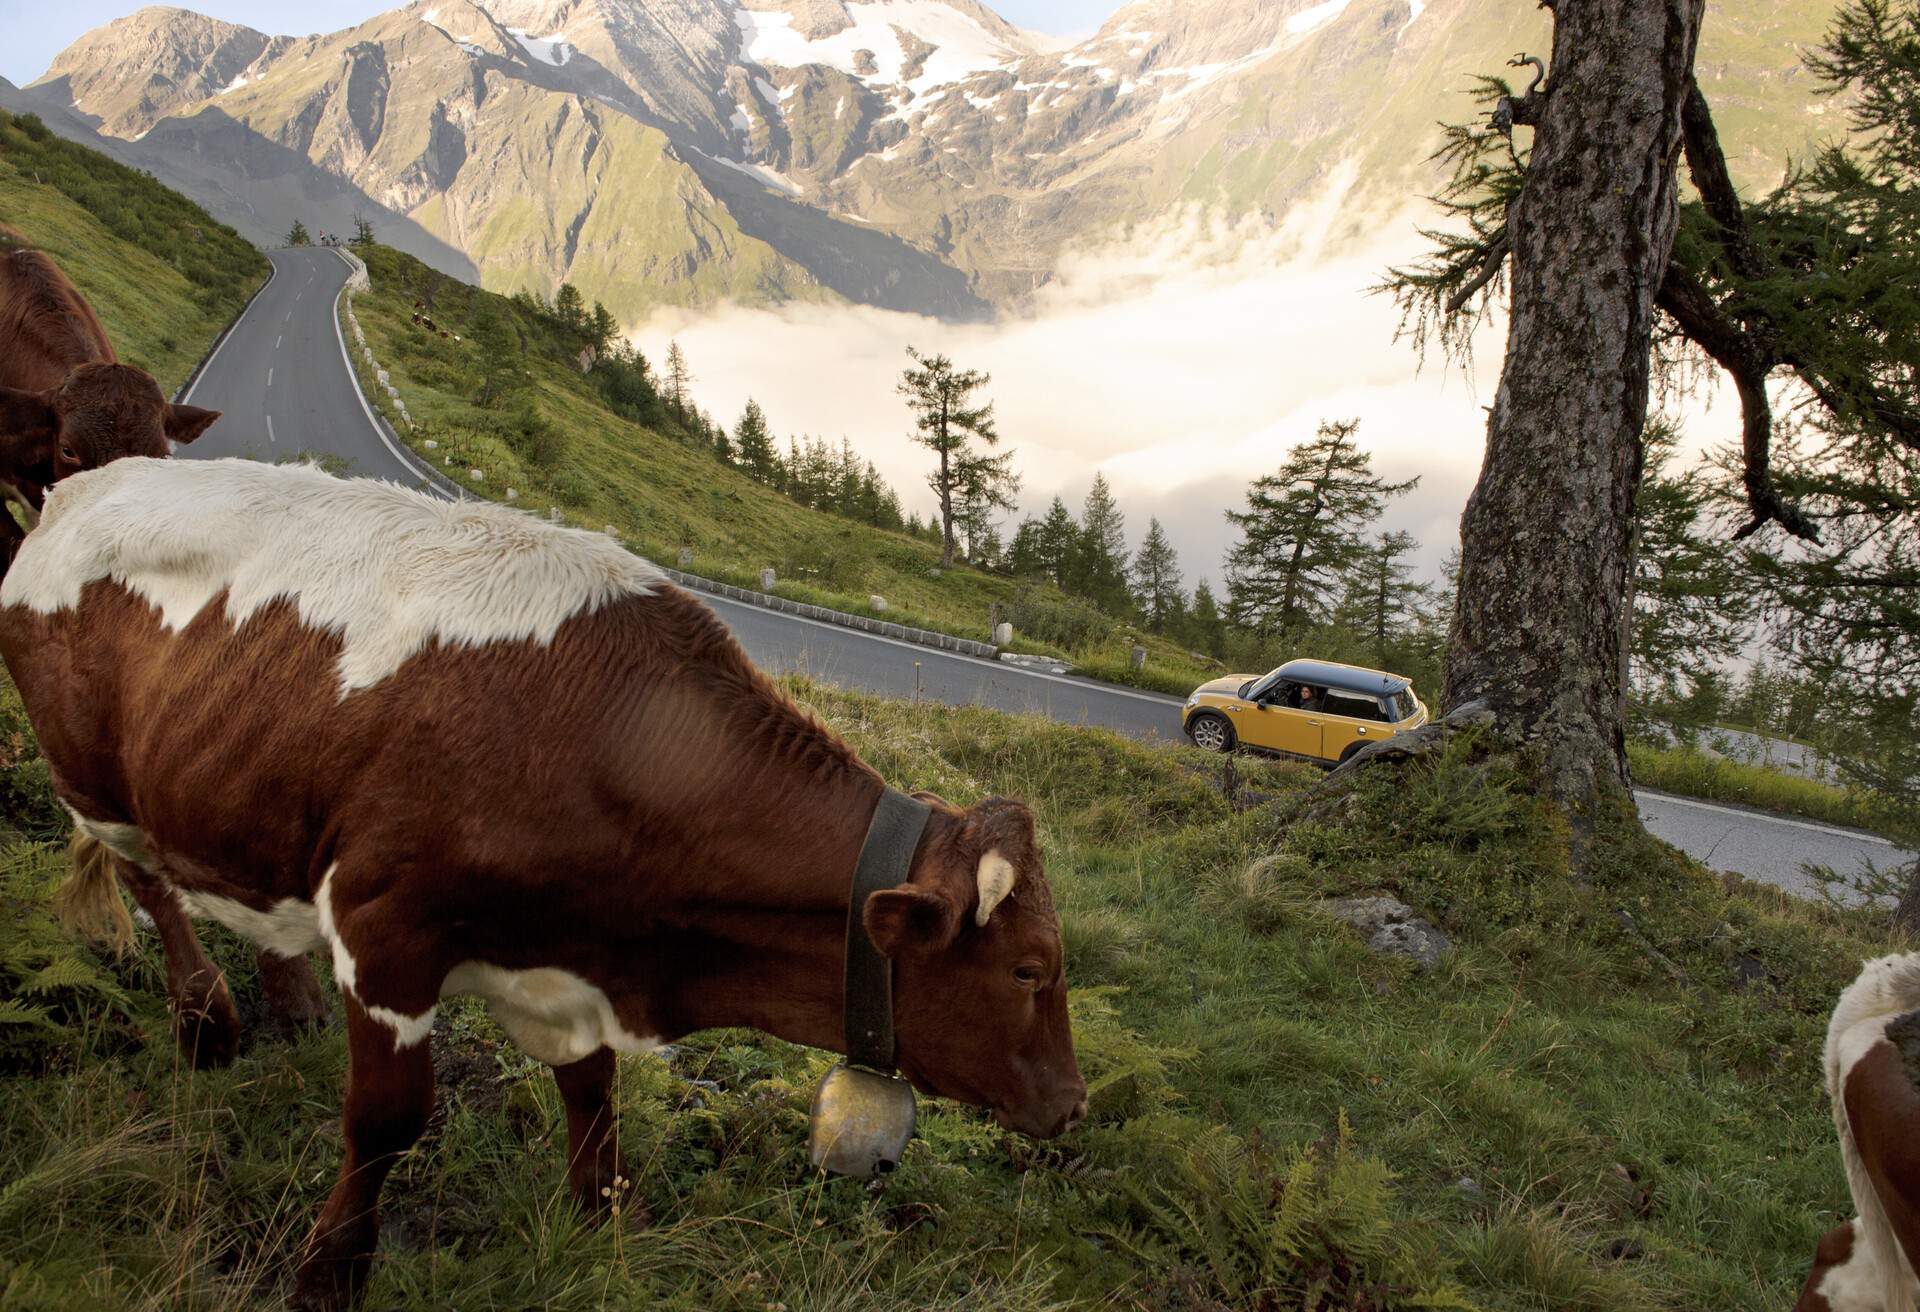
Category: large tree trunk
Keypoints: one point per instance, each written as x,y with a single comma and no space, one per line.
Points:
1547,536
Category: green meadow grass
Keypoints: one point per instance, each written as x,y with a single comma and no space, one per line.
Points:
661,496
1556,1118
163,276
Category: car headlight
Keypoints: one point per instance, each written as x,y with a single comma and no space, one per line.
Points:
1193,701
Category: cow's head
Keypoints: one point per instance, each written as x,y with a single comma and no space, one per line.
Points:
100,413
980,986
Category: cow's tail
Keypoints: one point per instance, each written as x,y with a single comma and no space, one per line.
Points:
1886,988
88,903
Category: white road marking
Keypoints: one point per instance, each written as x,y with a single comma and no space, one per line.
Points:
1856,834
269,375
278,340
269,428
935,652
273,271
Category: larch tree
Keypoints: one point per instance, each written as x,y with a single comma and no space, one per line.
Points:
1383,599
1302,531
948,421
1692,605
1580,228
679,380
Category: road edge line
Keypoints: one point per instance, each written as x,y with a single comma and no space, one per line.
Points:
435,481
1758,813
185,392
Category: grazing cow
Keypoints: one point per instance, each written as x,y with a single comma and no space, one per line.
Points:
1873,1054
469,752
66,403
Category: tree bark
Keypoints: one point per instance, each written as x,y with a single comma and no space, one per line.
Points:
1547,535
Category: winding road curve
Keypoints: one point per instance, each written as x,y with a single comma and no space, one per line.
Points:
282,379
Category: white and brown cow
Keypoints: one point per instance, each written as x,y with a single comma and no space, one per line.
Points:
468,752
1873,1049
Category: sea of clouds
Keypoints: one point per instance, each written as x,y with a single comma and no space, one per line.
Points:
1182,359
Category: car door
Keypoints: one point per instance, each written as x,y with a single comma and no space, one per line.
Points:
1350,718
1281,728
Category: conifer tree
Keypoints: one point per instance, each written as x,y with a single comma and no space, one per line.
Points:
1693,607
947,421
1156,580
1101,573
1205,627
753,448
297,235
679,381
1302,531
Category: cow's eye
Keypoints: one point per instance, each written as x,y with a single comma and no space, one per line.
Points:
66,453
1027,977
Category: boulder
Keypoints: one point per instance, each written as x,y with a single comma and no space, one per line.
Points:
1392,929
1369,914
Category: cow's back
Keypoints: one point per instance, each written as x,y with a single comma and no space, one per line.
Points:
250,662
46,326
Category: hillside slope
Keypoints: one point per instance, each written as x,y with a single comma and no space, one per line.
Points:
1554,1119
163,276
559,446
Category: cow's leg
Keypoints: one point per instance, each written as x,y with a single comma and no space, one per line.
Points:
293,992
204,1018
593,1150
389,1098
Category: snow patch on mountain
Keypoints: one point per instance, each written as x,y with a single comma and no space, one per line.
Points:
547,49
1318,16
875,49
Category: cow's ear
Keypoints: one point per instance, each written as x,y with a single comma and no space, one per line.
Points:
905,920
186,422
27,417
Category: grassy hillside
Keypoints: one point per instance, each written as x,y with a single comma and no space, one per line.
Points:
559,445
163,276
1567,1114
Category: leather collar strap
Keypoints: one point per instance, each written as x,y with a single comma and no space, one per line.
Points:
886,860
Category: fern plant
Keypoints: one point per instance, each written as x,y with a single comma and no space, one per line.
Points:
1316,1232
53,992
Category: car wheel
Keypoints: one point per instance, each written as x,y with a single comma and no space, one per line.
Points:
1210,733
1353,749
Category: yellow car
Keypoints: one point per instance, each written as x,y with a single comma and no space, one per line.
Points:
1313,710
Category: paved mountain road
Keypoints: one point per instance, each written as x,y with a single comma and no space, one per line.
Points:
281,377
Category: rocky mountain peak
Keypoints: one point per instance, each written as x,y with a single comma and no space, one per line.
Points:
916,154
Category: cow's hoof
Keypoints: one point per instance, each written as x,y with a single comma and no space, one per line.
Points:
295,999
327,1284
208,1029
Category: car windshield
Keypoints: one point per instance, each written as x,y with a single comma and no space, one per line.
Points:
1403,704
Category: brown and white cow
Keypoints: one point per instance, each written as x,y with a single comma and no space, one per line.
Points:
66,402
469,752
1873,1050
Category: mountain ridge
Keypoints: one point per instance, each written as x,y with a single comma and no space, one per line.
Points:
918,155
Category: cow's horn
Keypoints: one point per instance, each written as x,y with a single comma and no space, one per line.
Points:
996,881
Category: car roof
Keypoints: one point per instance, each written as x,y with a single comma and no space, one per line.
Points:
1344,678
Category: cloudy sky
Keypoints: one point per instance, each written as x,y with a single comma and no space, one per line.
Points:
36,30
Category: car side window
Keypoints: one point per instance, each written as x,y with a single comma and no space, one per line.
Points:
1354,707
